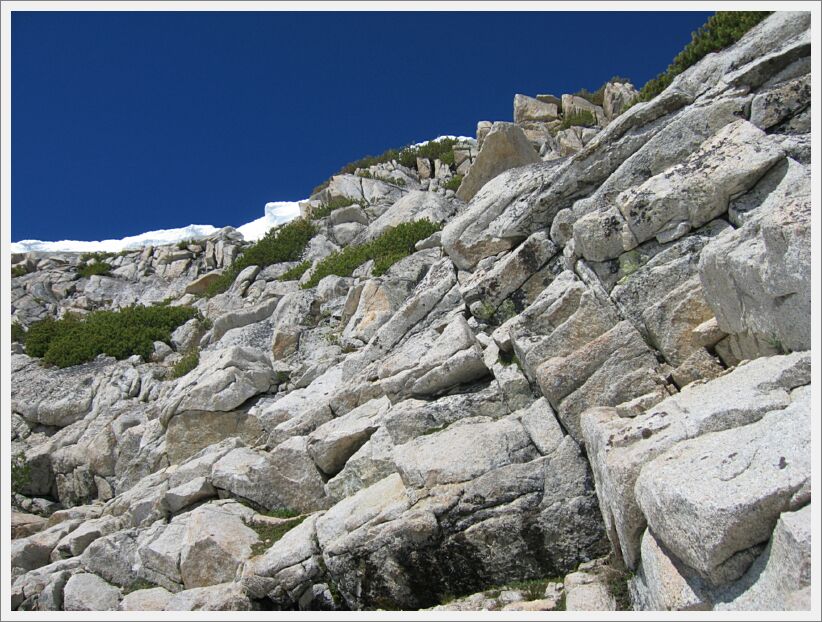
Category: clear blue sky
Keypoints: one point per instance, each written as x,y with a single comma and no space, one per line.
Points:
128,122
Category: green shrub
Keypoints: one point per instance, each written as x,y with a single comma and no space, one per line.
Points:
442,149
18,271
396,181
598,97
40,334
139,584
595,98
335,203
189,362
296,272
284,243
585,118
270,534
17,331
453,183
407,156
183,244
20,473
721,30
99,256
281,513
133,330
100,268
385,250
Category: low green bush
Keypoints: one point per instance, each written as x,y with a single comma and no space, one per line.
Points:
598,97
186,364
17,331
396,181
442,149
270,534
98,256
584,118
101,268
453,183
281,513
132,330
18,271
336,203
721,30
296,272
183,244
284,243
385,250
20,473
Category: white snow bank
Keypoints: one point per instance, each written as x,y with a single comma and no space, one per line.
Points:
462,139
276,213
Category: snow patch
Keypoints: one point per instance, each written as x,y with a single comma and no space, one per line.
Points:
461,139
276,212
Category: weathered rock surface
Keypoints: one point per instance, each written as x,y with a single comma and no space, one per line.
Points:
591,387
619,448
88,592
712,497
531,109
504,147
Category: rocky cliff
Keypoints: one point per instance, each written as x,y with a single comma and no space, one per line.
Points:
589,389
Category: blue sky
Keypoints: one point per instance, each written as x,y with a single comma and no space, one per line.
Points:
128,122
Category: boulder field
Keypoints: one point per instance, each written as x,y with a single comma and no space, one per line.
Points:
589,390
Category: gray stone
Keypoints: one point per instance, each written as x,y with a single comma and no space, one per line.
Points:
334,442
88,592
618,448
781,577
189,493
613,368
222,597
714,496
531,109
573,104
780,102
35,551
698,190
587,591
617,96
223,380
242,317
415,205
663,583
76,541
756,278
151,599
463,451
53,397
215,544
345,233
503,148
485,290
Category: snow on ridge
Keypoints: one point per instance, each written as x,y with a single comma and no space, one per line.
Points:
276,212
462,139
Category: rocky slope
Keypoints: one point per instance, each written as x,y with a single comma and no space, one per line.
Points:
590,389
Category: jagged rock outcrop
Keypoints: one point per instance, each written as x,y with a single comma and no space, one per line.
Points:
596,374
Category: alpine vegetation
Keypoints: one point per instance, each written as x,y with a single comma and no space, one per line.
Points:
563,365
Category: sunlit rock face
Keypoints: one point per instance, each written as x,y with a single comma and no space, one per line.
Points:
589,388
